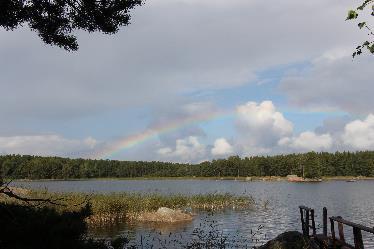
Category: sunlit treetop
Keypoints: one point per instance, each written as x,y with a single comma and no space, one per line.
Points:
56,20
352,15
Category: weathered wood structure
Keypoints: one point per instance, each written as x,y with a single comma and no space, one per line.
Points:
331,241
307,216
308,221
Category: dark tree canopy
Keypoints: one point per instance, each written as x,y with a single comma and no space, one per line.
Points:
56,20
313,164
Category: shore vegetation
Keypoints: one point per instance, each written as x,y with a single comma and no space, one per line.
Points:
120,207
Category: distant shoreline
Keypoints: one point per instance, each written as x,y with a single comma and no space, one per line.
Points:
241,178
311,165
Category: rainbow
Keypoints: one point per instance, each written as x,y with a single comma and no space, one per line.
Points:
128,142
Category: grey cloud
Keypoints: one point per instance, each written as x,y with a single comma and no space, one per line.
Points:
184,110
171,47
47,145
333,83
178,120
333,125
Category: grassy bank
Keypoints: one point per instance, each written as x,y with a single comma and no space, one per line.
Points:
108,208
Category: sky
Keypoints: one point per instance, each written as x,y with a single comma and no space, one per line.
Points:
189,81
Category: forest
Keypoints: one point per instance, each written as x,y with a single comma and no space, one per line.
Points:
314,164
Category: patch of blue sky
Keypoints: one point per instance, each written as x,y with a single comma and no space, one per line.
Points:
221,127
265,87
309,121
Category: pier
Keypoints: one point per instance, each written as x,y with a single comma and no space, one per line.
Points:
336,239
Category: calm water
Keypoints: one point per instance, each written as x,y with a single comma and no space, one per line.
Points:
353,201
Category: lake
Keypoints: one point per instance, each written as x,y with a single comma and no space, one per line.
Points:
353,201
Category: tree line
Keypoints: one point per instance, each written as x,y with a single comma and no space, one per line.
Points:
313,164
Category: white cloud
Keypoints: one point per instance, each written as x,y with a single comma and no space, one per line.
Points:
221,147
359,134
262,130
188,149
259,116
307,141
47,145
261,125
165,151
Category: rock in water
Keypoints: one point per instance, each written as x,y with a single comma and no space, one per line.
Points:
165,211
164,214
290,240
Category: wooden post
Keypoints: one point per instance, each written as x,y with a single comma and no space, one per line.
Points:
325,221
302,220
313,222
357,236
341,230
307,216
333,233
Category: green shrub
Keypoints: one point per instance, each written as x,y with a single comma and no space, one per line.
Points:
25,227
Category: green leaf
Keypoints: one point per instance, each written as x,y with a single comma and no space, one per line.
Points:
352,15
371,48
361,24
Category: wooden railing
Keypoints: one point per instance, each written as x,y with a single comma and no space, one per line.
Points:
357,234
308,221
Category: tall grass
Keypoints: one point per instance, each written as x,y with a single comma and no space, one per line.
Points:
108,208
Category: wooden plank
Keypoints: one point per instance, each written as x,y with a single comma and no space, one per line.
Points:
333,233
307,216
361,227
325,221
357,236
313,222
341,231
302,220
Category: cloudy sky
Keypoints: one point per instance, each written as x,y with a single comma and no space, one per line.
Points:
193,80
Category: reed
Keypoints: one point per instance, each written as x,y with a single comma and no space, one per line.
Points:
116,207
